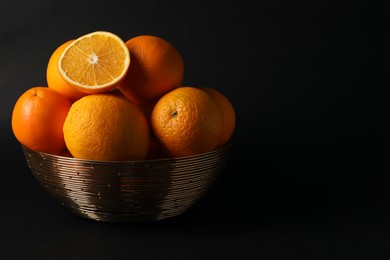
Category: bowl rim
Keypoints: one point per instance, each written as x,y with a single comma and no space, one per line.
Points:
222,148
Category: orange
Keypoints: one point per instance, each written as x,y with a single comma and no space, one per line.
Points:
155,150
187,121
95,62
54,78
228,113
106,127
146,109
38,117
156,68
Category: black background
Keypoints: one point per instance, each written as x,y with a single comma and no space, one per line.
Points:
307,174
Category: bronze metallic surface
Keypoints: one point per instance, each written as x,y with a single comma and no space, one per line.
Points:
127,191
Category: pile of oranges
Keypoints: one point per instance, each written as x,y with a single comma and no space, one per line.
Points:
111,100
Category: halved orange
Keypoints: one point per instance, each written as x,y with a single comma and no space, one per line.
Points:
95,62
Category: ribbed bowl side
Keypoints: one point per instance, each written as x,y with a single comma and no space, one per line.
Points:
127,191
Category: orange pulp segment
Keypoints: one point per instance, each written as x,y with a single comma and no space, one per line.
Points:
95,62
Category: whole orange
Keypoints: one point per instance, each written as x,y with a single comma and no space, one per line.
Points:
106,127
228,113
54,78
156,68
187,121
38,117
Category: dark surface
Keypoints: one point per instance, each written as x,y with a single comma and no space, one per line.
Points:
307,176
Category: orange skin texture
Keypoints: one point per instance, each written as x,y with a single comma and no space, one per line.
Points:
106,127
228,113
54,78
156,68
187,121
38,117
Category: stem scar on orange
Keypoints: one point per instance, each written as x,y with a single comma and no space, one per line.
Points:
187,121
38,117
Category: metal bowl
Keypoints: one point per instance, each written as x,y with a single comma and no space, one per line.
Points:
127,191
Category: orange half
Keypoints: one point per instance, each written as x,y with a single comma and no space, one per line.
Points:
95,62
